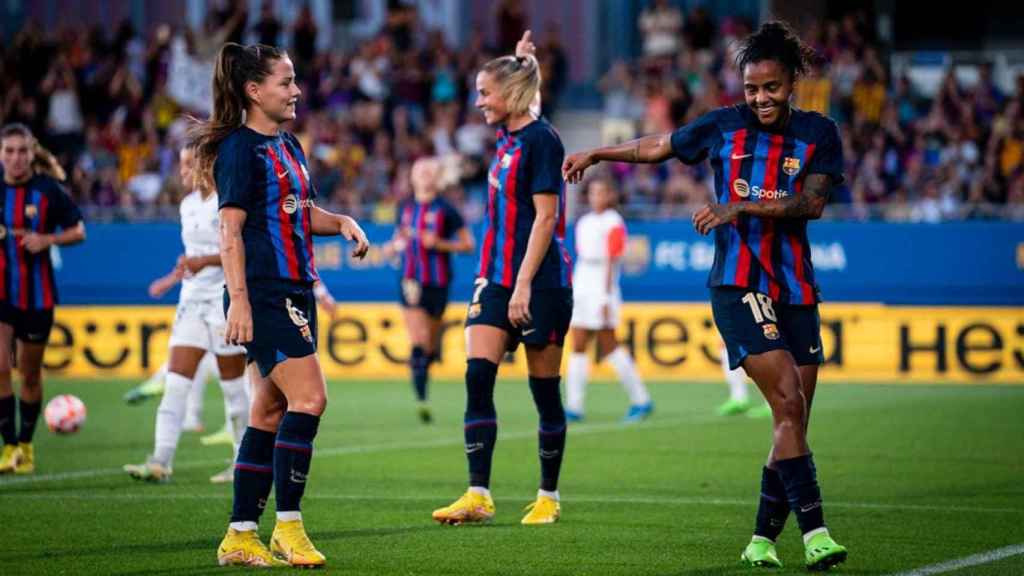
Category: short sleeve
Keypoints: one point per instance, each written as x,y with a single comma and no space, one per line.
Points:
691,143
546,156
828,154
453,221
232,172
68,214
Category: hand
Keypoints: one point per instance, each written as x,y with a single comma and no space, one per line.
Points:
525,46
162,285
239,322
712,216
428,240
193,266
328,304
519,306
181,267
36,243
352,232
574,165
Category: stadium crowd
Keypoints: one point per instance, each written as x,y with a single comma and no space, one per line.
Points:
101,102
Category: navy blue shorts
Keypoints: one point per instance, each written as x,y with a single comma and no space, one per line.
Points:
283,320
32,326
433,299
751,323
551,309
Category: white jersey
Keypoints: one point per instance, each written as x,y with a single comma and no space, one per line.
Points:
200,233
600,238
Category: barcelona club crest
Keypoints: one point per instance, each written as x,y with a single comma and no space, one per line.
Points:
31,211
771,331
299,319
791,166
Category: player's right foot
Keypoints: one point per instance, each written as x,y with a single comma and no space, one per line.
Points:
146,390
424,413
222,436
26,459
731,407
571,416
543,510
9,458
148,472
761,553
638,412
471,507
822,552
243,548
291,544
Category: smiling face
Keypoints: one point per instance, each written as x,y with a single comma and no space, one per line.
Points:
277,94
489,99
767,86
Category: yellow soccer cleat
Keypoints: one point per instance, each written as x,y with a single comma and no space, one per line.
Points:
26,459
290,543
543,510
9,458
243,548
148,472
471,507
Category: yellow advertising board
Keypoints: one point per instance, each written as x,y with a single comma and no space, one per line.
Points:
671,341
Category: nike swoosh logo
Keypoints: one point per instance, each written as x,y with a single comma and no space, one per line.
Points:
815,350
285,173
741,156
470,448
528,332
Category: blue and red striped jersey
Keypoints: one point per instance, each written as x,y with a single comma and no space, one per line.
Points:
755,164
42,206
528,161
267,177
442,220
38,205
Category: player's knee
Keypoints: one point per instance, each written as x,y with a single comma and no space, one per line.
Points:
480,376
314,403
790,408
548,399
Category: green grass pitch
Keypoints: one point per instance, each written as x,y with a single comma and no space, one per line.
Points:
911,476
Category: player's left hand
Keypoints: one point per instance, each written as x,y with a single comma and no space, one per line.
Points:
519,306
352,232
712,216
36,243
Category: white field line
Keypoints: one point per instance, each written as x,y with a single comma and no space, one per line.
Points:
966,562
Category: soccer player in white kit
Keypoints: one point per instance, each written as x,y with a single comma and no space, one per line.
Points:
198,328
597,300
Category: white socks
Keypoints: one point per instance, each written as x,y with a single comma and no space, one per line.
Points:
576,382
737,380
236,406
290,516
813,533
243,526
480,490
624,367
552,495
170,416
194,412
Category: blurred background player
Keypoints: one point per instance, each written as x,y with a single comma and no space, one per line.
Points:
34,207
597,301
739,398
427,232
524,287
198,329
268,219
774,168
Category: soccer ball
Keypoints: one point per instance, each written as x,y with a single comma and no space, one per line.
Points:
65,414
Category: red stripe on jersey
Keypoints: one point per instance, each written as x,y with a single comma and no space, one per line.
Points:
442,262
287,229
22,266
307,214
511,211
771,179
488,245
735,169
45,273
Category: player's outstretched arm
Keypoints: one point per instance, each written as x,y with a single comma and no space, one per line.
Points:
646,150
326,223
807,204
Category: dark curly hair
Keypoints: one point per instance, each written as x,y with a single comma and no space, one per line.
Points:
776,40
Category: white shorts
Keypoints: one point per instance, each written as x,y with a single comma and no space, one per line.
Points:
588,312
201,324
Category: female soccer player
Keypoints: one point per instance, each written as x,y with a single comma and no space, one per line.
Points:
268,219
33,207
597,300
428,230
774,166
523,289
198,329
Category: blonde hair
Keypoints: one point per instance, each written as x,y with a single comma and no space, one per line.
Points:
519,78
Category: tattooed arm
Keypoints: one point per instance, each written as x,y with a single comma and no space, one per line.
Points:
808,205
